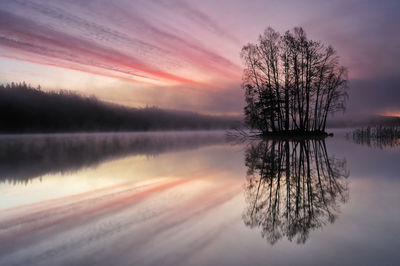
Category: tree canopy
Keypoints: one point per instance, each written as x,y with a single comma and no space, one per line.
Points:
291,83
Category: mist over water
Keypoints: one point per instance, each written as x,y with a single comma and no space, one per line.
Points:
24,157
195,198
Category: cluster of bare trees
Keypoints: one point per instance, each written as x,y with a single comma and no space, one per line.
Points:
291,83
293,187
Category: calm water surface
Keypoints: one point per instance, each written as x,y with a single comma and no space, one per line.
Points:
196,198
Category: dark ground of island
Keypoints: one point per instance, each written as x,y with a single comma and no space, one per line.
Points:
296,134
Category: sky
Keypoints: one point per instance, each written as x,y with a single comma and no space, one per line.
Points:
181,54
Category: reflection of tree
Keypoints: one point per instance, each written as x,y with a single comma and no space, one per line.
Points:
378,136
25,157
292,188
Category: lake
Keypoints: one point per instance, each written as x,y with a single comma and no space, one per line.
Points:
197,198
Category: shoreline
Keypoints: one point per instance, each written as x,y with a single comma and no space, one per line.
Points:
295,134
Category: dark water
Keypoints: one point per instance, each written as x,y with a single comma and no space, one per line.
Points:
195,198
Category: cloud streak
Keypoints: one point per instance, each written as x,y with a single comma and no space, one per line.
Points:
146,54
27,36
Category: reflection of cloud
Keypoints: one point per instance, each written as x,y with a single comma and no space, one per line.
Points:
125,223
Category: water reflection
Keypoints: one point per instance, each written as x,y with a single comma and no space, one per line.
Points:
25,157
292,188
166,209
373,141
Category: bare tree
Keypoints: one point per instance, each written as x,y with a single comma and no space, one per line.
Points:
291,83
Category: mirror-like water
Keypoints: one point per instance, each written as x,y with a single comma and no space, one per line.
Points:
193,198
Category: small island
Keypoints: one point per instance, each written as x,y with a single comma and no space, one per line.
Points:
291,84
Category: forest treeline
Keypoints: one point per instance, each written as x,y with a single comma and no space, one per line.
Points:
25,109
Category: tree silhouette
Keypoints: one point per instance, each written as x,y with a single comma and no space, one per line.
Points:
291,83
292,188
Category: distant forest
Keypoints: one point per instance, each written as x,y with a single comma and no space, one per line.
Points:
24,109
